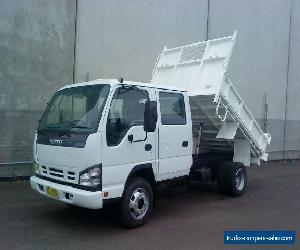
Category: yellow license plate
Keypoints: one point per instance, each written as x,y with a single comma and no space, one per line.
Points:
52,192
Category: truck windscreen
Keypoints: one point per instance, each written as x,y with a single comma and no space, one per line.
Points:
75,109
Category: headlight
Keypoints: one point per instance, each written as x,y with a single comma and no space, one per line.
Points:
91,176
36,168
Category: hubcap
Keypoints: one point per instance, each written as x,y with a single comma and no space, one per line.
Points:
138,203
240,179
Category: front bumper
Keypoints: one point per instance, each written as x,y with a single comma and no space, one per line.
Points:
74,196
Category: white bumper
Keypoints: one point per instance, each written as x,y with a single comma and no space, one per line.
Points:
78,197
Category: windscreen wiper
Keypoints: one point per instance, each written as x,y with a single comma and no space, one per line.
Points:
47,129
76,127
79,126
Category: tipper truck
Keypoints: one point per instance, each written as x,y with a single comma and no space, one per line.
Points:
113,140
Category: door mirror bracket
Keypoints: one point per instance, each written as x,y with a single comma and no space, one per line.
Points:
130,138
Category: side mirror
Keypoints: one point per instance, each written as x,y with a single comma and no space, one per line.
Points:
150,116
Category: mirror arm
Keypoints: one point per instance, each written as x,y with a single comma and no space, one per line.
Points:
140,140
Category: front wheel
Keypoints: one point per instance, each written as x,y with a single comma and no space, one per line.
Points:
232,178
137,203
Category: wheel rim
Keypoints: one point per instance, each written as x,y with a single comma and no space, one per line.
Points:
138,203
240,179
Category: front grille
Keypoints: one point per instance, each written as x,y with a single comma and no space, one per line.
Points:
44,170
71,175
58,173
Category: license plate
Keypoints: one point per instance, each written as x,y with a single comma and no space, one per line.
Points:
52,192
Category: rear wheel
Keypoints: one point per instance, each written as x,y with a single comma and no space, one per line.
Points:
232,178
137,203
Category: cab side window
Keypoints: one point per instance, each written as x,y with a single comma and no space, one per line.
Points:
126,110
172,108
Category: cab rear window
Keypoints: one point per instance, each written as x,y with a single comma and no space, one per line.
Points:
172,108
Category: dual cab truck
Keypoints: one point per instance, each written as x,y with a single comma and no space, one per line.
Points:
108,140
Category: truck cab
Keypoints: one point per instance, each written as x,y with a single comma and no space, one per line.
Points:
107,139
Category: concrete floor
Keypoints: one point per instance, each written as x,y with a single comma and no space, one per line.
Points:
192,219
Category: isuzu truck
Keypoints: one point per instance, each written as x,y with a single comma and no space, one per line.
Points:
113,140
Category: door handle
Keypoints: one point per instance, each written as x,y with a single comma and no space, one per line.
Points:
148,147
185,144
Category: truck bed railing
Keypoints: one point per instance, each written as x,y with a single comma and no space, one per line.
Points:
201,69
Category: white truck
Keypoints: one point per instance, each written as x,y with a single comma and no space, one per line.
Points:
114,140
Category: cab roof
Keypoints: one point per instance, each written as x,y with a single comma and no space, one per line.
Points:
114,82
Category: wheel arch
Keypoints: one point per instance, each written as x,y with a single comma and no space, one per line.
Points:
144,171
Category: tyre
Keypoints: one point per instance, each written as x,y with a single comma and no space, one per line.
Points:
137,203
232,178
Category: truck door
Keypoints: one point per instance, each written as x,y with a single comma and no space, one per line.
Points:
124,143
175,135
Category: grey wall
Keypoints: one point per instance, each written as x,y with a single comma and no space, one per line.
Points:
260,60
292,129
123,38
36,57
